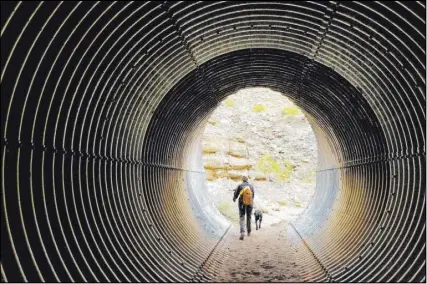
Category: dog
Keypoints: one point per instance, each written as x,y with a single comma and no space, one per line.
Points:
258,217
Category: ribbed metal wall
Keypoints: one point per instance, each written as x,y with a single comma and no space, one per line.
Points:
103,105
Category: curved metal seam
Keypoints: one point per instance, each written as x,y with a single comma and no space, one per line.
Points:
199,272
325,270
375,161
178,29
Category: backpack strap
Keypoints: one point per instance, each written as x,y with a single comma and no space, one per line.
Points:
243,189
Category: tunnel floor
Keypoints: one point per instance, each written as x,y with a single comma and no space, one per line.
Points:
274,253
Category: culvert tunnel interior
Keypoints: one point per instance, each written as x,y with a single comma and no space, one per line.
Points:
103,107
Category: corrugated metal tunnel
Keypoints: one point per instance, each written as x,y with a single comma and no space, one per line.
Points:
103,106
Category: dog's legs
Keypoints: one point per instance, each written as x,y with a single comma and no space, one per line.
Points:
260,220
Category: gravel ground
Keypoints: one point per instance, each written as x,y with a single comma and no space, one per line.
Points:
268,255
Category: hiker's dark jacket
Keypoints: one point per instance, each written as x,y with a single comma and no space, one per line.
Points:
239,188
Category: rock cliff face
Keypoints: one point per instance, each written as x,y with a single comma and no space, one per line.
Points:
260,132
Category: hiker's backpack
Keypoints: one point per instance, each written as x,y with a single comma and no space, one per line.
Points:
246,194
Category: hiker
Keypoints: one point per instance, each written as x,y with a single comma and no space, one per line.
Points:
245,192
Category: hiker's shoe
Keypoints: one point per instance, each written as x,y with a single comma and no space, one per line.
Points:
249,233
241,236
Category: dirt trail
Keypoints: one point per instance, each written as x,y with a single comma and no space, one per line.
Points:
268,255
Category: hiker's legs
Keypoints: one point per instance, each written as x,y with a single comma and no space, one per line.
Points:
248,218
242,219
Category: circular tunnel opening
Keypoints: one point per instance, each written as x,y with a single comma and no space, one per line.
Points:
103,107
261,133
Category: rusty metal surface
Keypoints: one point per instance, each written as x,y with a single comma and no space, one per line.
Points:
103,105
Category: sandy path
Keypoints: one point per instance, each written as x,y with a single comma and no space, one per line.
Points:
268,255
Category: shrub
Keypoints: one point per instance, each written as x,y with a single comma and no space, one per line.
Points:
213,121
291,110
284,174
230,102
282,203
297,203
289,166
258,108
309,177
229,210
267,165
